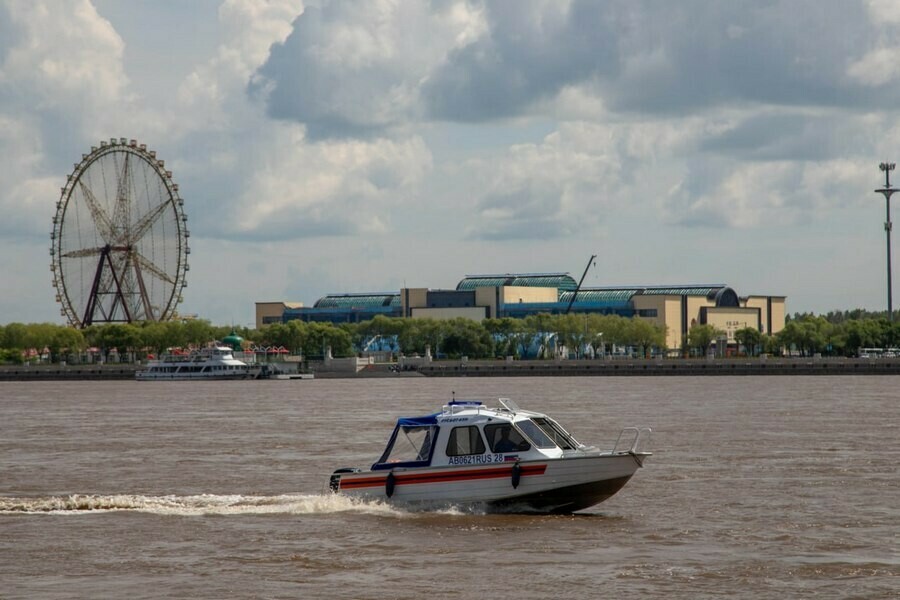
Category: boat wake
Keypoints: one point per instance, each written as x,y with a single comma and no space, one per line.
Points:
204,504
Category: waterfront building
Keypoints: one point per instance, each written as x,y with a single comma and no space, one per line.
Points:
272,312
477,297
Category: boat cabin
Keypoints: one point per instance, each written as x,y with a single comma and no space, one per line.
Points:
468,433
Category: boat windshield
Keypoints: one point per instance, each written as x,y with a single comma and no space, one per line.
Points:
412,443
559,435
536,434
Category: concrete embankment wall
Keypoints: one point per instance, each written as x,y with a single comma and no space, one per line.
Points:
525,368
668,367
68,372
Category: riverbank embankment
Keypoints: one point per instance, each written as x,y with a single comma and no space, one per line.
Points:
663,367
95,372
523,368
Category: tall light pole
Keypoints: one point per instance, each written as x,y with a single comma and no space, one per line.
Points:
888,191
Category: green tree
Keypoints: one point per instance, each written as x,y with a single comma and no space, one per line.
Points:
14,335
645,335
123,337
749,338
317,337
504,330
541,326
380,327
155,337
68,340
465,337
702,336
198,332
807,334
11,355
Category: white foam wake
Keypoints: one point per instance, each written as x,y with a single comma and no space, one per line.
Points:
204,504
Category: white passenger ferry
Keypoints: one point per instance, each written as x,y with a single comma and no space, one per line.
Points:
213,362
500,459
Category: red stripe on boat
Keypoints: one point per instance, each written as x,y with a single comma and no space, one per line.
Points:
441,476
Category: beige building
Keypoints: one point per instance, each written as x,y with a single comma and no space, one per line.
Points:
478,297
273,312
678,312
477,304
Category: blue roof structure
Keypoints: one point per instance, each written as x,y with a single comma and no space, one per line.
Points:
600,296
560,281
369,300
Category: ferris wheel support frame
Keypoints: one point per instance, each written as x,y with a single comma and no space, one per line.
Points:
91,306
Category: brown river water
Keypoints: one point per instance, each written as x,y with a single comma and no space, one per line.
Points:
759,487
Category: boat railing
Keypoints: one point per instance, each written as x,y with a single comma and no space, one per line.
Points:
638,436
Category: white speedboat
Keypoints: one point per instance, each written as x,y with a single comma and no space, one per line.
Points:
213,362
500,459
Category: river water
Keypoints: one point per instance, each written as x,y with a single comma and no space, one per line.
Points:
759,487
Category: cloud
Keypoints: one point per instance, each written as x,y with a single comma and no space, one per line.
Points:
637,59
353,70
530,51
212,96
297,189
28,200
68,60
9,34
724,193
558,188
779,53
877,68
61,77
789,136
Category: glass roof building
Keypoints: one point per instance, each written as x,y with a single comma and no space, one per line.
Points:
347,308
677,308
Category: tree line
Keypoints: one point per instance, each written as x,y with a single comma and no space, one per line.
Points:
536,336
450,337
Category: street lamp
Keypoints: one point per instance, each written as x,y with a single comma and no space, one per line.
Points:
888,191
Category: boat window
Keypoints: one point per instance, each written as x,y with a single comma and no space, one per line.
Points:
504,437
559,435
413,443
536,434
465,440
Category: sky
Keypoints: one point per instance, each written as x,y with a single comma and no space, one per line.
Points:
328,147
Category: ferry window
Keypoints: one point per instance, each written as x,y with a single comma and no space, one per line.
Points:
556,433
465,440
536,434
505,438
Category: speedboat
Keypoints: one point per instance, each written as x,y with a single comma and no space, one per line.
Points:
502,459
213,362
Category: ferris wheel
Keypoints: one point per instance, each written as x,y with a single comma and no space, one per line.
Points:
119,242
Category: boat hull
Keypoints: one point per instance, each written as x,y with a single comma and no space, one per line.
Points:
561,485
145,376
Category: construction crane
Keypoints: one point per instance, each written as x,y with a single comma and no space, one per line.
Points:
583,275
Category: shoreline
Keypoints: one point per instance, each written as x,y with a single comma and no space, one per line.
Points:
665,367
526,368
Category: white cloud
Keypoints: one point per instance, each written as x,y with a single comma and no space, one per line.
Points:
61,78
298,189
28,201
876,68
64,53
883,12
553,189
351,69
212,96
368,129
